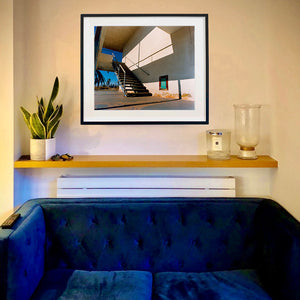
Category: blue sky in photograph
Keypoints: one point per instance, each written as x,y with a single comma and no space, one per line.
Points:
106,74
111,75
117,54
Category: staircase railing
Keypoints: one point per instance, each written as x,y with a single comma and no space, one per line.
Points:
119,67
136,64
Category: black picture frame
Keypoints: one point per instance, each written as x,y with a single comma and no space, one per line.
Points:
142,49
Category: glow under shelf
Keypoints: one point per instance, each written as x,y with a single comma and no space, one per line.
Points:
147,161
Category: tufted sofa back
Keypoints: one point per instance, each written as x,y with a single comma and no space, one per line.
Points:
175,234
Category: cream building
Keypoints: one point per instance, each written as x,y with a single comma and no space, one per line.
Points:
161,57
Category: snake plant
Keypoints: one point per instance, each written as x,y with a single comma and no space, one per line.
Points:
43,124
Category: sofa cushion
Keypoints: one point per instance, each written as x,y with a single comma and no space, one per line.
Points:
66,284
223,285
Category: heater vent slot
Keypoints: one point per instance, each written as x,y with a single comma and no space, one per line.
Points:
145,186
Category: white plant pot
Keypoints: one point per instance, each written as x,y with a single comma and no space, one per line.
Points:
42,149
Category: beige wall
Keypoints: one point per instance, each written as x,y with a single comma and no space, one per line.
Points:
254,58
284,85
238,41
7,106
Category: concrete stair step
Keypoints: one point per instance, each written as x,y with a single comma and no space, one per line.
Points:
133,86
130,87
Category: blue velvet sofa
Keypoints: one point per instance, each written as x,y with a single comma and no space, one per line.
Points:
161,248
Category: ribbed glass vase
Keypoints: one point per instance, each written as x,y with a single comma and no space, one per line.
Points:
247,124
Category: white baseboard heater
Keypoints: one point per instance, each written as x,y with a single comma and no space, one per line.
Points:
145,186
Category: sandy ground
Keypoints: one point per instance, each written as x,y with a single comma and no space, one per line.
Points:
115,100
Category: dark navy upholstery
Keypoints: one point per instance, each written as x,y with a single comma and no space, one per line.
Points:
163,236
179,238
23,256
231,285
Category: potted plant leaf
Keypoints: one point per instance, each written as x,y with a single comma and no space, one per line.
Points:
43,125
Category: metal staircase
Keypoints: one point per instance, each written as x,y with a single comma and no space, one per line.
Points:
130,84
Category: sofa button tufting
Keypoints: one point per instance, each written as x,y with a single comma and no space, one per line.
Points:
151,263
210,220
94,221
151,219
139,243
235,264
63,223
108,243
209,266
248,242
180,264
167,243
28,241
77,243
195,243
123,220
238,220
182,220
92,266
224,242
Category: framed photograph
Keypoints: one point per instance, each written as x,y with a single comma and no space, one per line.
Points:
144,69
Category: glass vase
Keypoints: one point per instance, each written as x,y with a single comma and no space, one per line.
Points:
247,123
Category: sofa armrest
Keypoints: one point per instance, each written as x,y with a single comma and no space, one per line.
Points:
279,240
22,251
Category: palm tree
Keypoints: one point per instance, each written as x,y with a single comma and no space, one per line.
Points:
99,78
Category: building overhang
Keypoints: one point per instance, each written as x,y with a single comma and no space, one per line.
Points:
115,38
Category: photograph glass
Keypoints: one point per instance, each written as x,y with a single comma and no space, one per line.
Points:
144,69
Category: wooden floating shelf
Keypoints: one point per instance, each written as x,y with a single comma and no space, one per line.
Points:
147,161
